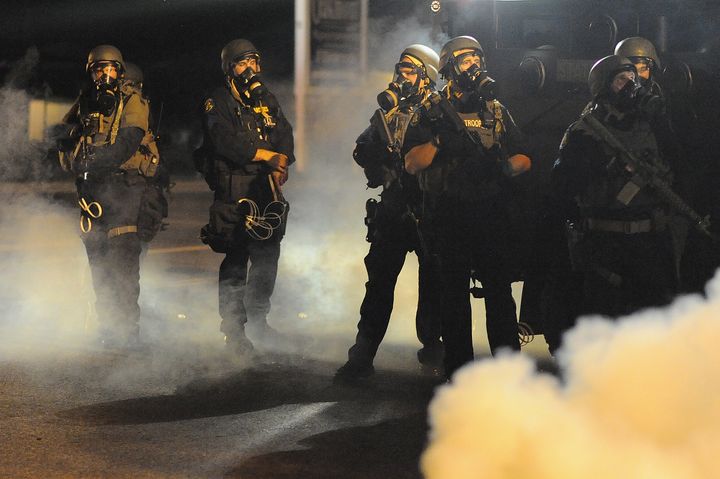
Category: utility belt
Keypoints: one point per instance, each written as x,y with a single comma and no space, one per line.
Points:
120,196
106,176
232,187
246,207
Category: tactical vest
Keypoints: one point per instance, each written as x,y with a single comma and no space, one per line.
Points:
146,160
488,124
398,124
256,116
604,190
131,111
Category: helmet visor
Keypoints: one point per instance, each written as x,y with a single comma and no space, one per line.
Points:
110,68
466,60
407,68
247,57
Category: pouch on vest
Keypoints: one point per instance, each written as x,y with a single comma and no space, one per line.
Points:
153,208
220,232
146,159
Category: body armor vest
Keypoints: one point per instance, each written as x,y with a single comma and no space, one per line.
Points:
488,124
102,130
604,189
398,124
255,115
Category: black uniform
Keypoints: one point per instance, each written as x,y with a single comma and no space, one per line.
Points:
235,127
620,243
392,233
112,193
495,249
446,233
465,222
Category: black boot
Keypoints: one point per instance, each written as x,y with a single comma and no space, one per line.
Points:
353,371
238,345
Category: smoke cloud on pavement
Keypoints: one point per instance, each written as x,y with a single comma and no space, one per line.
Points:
638,399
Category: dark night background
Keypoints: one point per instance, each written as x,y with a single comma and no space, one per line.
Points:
177,43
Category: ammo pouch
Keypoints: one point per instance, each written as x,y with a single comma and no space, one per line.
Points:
153,208
220,232
233,223
371,216
146,159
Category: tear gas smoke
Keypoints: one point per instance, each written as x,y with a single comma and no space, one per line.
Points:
322,273
321,277
19,156
639,400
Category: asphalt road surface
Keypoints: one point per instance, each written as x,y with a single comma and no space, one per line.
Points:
181,407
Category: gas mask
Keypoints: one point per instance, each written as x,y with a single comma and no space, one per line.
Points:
625,98
394,93
251,82
476,80
104,92
401,88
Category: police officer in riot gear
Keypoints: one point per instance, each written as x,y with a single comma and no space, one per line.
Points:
109,121
248,146
699,257
462,170
641,52
618,226
392,222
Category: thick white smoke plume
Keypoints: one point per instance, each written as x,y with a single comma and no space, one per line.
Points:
639,399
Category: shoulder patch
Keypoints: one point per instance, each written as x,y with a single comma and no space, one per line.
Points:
209,105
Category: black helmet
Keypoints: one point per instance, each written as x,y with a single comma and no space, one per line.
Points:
234,51
455,44
604,70
426,56
133,74
105,53
638,47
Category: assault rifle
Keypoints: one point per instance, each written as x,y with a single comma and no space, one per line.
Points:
646,174
438,107
394,146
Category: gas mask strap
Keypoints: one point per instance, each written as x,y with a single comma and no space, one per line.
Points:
116,120
235,92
